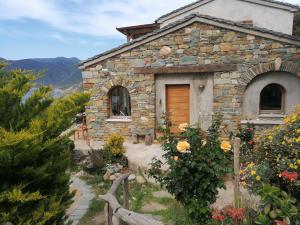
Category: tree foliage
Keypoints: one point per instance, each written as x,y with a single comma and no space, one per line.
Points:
297,24
34,155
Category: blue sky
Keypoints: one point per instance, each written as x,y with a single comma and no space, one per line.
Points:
73,28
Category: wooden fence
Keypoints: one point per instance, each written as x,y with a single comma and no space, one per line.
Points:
116,214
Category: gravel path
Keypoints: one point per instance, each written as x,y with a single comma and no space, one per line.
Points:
81,200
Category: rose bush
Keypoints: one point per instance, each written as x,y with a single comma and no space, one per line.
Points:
197,163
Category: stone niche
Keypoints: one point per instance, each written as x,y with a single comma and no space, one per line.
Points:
251,100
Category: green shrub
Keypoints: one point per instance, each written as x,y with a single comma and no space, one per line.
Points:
197,166
277,207
114,145
278,150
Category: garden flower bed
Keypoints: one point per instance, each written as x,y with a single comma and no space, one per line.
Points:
198,162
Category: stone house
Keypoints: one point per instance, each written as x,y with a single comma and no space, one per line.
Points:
234,57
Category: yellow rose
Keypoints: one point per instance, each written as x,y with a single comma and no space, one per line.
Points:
253,172
298,161
298,131
183,146
225,146
175,158
298,139
183,126
258,178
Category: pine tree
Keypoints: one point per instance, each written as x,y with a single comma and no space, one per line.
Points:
34,154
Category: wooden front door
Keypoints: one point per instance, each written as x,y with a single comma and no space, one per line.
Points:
178,105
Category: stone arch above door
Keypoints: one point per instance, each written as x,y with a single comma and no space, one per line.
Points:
277,66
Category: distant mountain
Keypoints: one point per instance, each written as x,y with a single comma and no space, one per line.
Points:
62,73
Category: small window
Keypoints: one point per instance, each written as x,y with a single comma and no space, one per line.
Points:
119,102
271,99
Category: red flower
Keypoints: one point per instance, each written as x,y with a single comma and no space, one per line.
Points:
217,215
236,213
291,176
251,142
250,129
280,222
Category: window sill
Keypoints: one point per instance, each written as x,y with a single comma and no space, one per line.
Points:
263,122
272,115
120,119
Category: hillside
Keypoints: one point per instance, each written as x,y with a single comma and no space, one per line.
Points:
60,72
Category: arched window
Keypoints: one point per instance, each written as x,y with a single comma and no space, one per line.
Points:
272,99
119,102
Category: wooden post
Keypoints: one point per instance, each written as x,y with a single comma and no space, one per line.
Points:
126,194
237,192
126,197
108,214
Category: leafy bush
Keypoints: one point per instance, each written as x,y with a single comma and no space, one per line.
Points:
246,134
197,166
278,150
114,145
277,207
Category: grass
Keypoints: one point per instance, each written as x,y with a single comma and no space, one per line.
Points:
140,195
96,206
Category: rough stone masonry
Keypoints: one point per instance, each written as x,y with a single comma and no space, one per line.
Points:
196,44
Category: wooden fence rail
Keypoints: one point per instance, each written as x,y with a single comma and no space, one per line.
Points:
122,213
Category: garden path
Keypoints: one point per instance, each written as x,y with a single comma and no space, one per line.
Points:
81,200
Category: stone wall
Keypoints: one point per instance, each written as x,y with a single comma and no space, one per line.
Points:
197,44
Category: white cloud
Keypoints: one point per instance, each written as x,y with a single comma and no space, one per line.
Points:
92,17
58,37
83,42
